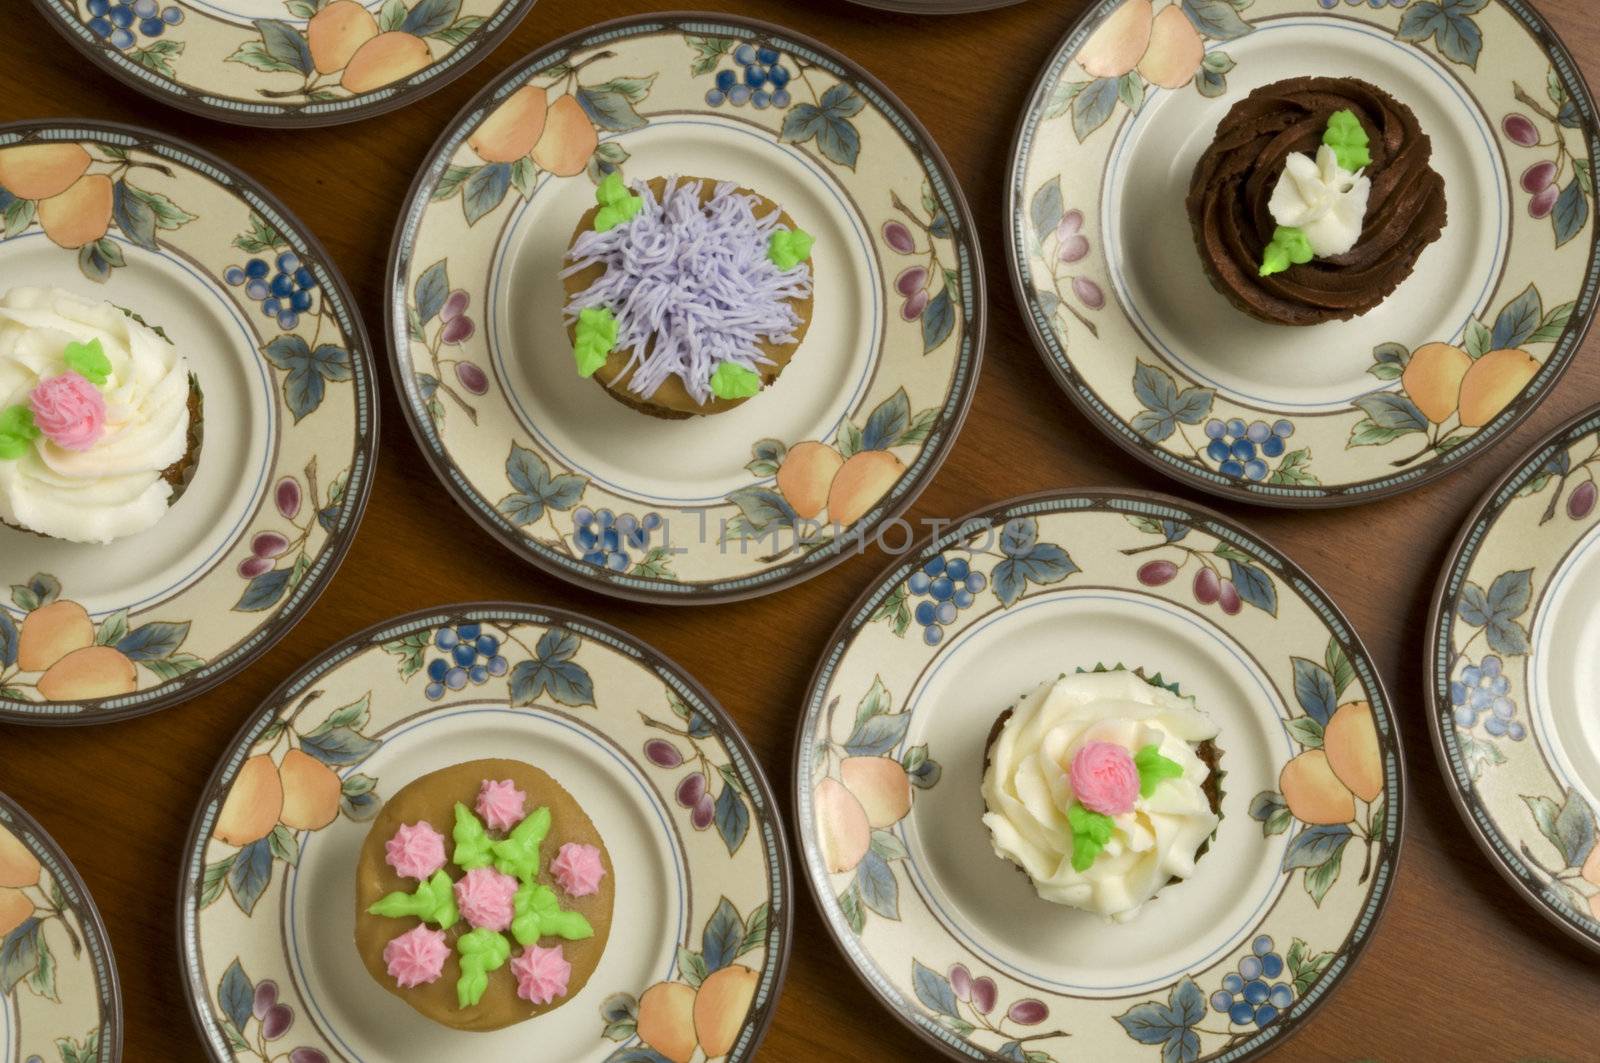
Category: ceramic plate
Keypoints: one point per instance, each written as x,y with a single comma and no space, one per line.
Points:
1512,671
702,887
951,938
937,7
58,982
686,511
285,62
1104,262
290,427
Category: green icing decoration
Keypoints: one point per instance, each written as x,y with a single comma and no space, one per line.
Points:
1289,246
89,361
479,952
1090,832
474,848
1348,140
518,854
617,205
1153,768
787,248
538,915
433,902
733,381
17,432
596,334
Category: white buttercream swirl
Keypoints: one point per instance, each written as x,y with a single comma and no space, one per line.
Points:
1028,792
1322,199
114,488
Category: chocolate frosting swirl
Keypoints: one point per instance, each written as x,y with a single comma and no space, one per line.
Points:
1233,184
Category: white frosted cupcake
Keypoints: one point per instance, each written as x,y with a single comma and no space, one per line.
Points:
99,418
1101,786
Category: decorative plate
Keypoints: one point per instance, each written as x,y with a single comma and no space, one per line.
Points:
937,7
285,62
1105,264
1512,671
689,820
59,999
291,421
951,938
690,510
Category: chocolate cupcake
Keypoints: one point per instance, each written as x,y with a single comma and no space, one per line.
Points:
1315,200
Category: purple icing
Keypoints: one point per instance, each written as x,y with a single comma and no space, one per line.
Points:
691,284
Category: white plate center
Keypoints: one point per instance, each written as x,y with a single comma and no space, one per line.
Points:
1565,669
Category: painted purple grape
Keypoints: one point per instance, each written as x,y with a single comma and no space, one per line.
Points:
913,307
1539,176
704,810
472,378
457,330
984,994
1228,598
287,496
1581,504
279,1018
1028,1012
251,567
691,790
307,1055
897,236
455,305
268,544
266,998
1207,587
1089,292
961,982
1520,129
1156,573
1543,202
662,754
911,280
1073,249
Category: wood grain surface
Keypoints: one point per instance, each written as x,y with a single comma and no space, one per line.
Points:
1460,969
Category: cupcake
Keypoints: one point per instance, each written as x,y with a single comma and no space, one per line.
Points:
483,895
1315,200
100,418
1102,787
686,296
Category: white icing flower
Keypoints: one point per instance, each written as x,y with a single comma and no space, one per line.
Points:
1322,199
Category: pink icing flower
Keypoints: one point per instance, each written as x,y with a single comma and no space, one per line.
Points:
501,804
416,957
542,974
415,851
1104,778
69,410
484,896
577,869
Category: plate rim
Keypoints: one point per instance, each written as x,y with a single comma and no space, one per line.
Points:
93,923
1285,496
1200,512
749,586
188,103
934,7
195,995
366,450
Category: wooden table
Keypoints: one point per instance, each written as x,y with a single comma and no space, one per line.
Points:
1460,969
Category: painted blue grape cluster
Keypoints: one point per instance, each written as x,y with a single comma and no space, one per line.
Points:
1241,449
759,79
605,538
1331,4
1484,691
1249,996
946,586
121,22
284,293
470,656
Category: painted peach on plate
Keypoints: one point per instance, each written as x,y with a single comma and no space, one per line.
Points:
81,214
51,632
568,138
1313,792
842,826
1118,45
1433,379
335,33
1176,50
39,171
720,1005
1491,384
861,482
513,128
15,907
18,866
882,787
666,1020
1351,743
311,792
253,804
806,475
92,672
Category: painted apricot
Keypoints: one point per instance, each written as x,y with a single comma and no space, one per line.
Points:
311,792
568,138
253,804
860,483
720,1007
336,33
1433,379
39,171
1176,50
1314,793
882,787
14,908
386,58
805,476
1118,45
666,1020
842,825
1351,742
513,128
92,672
1492,383
18,867
80,215
51,632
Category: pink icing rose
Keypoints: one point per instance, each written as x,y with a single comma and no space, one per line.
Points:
1104,778
415,851
69,411
501,804
416,957
541,974
577,869
484,895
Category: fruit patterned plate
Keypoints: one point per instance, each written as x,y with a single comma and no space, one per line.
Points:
1512,673
708,508
111,212
285,62
891,750
1105,264
937,7
700,931
59,998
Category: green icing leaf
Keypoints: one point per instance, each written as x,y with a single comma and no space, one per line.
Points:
611,191
474,848
1153,768
17,431
1090,832
1348,140
1289,247
478,951
787,248
518,854
617,205
537,914
596,334
734,381
434,901
89,361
